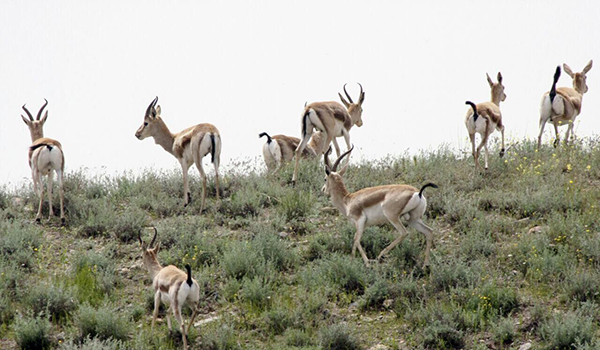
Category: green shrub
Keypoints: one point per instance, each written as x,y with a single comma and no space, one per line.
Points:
376,294
338,337
443,335
128,224
52,300
32,333
298,338
93,275
240,260
93,344
563,332
257,292
221,338
583,286
295,204
19,243
278,320
103,323
504,331
339,271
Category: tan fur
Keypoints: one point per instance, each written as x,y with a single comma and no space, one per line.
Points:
332,115
572,101
44,166
167,283
490,113
288,145
377,205
186,146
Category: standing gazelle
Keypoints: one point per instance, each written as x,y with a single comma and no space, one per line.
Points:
562,105
171,286
45,157
378,205
279,149
188,146
332,119
491,118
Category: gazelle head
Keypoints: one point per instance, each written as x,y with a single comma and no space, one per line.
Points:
579,79
333,177
498,94
36,126
149,251
354,109
150,125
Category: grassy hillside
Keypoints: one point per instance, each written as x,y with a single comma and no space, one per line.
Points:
516,259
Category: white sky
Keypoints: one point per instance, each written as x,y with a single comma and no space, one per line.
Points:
248,67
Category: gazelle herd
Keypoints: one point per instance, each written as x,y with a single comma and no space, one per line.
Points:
321,123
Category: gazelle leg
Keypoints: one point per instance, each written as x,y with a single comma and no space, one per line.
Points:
428,232
186,191
557,140
486,155
336,146
502,150
300,149
177,313
38,217
61,192
49,186
360,227
203,176
542,125
394,218
475,155
156,305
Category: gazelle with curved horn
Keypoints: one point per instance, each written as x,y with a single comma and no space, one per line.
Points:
562,105
484,118
332,119
171,285
279,149
188,146
45,157
378,205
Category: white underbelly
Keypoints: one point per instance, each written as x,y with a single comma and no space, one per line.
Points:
375,215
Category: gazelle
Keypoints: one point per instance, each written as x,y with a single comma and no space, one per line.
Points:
332,119
171,286
45,157
188,146
491,118
279,149
562,105
378,205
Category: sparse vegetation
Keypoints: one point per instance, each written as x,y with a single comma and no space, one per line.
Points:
516,255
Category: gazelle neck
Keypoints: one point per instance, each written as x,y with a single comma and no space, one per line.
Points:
153,267
339,195
163,136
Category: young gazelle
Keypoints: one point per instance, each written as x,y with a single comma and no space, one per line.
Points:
562,105
171,286
45,157
188,146
491,118
378,205
332,119
279,149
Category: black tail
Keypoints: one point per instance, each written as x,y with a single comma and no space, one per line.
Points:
304,123
553,90
425,186
475,115
34,147
267,135
212,148
189,273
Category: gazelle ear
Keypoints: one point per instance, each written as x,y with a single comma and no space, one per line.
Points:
344,100
489,80
343,171
500,77
157,247
25,120
157,113
45,117
567,70
588,67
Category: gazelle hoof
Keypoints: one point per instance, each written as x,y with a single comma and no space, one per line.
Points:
556,143
62,221
502,153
